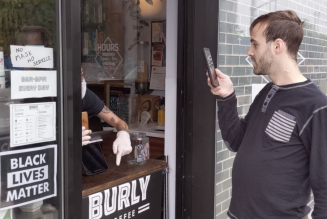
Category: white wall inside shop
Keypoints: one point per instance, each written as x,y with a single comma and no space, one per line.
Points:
171,101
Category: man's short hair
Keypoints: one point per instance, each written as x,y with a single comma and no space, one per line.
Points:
285,25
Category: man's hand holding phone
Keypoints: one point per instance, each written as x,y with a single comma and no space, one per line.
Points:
219,83
225,87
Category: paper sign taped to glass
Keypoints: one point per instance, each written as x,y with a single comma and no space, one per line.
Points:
31,56
27,176
32,123
31,84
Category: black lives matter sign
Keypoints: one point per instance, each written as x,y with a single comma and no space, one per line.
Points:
27,175
138,199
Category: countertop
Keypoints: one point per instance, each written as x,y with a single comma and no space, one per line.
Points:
116,175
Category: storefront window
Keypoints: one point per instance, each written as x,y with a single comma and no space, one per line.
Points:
123,63
124,60
235,18
29,110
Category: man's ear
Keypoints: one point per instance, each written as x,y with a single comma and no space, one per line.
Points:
278,46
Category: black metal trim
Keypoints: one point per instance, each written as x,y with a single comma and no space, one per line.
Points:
180,191
196,110
60,186
72,106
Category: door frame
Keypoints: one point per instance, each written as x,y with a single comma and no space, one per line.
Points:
196,110
69,30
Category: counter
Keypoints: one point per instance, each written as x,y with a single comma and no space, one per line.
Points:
125,191
117,175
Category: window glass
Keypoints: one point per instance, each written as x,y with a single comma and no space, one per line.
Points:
29,132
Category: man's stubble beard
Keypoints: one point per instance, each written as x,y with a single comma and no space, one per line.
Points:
264,65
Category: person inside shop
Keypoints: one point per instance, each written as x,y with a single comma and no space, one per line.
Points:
92,104
281,143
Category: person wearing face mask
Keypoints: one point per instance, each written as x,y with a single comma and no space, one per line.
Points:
92,104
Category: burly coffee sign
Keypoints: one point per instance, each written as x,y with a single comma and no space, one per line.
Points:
137,199
27,176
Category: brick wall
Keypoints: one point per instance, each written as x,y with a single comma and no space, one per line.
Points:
234,40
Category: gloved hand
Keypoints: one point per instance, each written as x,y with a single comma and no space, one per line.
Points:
85,138
121,146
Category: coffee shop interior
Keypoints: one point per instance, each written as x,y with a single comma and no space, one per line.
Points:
125,63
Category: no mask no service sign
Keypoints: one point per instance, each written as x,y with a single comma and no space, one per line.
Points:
27,176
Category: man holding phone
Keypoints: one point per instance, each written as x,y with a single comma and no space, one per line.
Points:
95,107
281,143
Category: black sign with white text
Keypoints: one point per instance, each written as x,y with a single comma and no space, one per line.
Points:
138,199
27,175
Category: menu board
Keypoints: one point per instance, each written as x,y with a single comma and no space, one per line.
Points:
32,123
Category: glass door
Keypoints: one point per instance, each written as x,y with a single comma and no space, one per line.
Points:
30,115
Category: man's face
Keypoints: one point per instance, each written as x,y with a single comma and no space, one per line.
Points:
260,51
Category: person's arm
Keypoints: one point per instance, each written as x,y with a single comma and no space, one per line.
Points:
94,106
232,128
122,144
314,137
107,115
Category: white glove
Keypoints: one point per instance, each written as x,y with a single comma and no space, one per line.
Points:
121,146
85,138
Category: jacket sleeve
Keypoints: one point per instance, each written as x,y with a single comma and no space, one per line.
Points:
231,126
314,137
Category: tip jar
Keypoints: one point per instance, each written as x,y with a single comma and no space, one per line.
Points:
140,149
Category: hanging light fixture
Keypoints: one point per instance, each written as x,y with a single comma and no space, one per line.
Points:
153,10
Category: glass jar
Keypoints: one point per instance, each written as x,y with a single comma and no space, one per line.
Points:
143,56
141,149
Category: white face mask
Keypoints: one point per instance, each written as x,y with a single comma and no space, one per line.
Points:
83,88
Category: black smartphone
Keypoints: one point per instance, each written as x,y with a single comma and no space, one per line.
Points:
211,67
